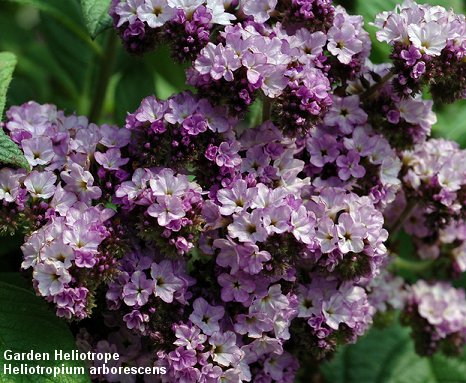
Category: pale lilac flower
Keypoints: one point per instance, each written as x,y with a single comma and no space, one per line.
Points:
166,210
165,183
138,290
62,200
80,181
114,137
59,253
111,159
235,287
182,358
155,12
349,166
79,237
206,317
302,225
189,6
219,16
259,9
351,234
248,227
9,184
277,219
40,184
38,150
165,282
270,302
254,324
343,43
51,277
430,38
236,198
224,349
127,11
136,320
327,235
345,113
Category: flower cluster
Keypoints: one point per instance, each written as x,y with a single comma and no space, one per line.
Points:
404,121
221,251
437,313
345,152
428,49
165,207
72,240
434,176
186,24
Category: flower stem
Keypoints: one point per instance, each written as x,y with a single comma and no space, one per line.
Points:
266,108
398,224
104,74
413,266
377,86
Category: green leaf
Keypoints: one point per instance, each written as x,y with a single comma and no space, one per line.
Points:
96,16
388,356
451,122
135,83
26,323
7,66
60,11
9,152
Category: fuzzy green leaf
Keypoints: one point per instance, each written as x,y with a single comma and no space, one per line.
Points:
26,323
7,66
9,152
388,356
96,16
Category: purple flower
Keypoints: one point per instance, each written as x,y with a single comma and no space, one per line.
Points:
235,287
155,12
224,349
138,290
136,320
349,166
80,181
351,234
166,210
40,184
52,277
206,317
248,227
165,282
38,150
182,358
111,160
342,42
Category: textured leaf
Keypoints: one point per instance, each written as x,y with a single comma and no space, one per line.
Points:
7,66
96,16
26,323
9,151
388,356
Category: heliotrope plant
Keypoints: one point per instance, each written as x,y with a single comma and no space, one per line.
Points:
234,253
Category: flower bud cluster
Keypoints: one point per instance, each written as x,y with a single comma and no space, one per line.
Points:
437,314
72,238
428,49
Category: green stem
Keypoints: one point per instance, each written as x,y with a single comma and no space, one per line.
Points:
398,224
413,266
266,108
105,73
377,86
